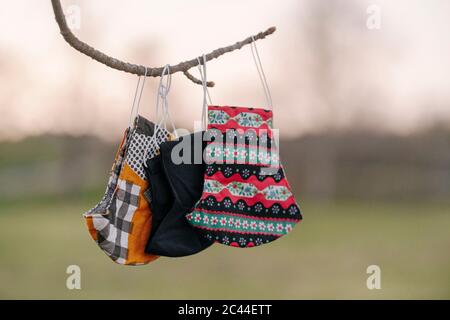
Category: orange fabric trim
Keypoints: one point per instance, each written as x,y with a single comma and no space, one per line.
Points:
91,229
142,221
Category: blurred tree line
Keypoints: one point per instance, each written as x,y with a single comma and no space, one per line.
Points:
333,165
367,165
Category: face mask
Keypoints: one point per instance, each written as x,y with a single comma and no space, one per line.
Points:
246,199
121,226
176,184
121,223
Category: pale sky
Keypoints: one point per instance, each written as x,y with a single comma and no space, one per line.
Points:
395,78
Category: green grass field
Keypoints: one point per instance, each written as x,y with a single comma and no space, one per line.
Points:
324,257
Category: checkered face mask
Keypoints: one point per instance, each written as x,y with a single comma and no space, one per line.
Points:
121,222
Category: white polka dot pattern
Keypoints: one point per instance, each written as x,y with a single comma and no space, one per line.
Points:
141,143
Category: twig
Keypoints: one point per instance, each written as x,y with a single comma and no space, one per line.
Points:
139,69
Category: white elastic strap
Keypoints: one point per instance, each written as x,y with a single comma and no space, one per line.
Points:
262,75
163,102
163,92
206,95
165,82
134,102
134,112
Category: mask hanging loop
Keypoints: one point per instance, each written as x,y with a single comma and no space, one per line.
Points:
162,102
206,96
262,75
137,99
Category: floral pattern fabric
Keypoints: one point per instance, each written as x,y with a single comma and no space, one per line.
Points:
216,153
246,199
243,119
243,189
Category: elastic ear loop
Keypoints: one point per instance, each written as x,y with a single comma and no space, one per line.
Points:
163,91
262,75
162,94
206,95
134,102
133,112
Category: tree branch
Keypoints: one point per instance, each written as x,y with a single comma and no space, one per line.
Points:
139,69
197,81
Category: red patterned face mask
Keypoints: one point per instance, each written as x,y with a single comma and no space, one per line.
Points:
246,198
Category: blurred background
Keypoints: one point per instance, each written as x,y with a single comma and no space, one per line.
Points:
362,101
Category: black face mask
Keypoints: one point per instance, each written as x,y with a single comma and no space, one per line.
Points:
174,190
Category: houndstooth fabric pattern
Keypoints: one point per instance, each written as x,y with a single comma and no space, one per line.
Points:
114,228
141,143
